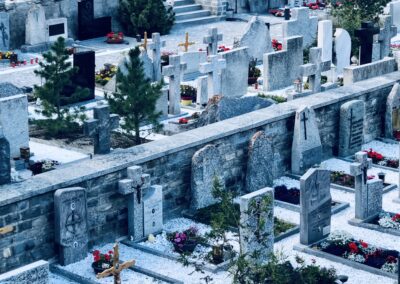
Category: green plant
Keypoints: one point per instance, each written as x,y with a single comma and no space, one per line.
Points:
136,98
254,72
139,16
57,73
188,93
276,98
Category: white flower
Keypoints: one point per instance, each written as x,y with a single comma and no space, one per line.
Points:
340,237
390,267
387,222
356,257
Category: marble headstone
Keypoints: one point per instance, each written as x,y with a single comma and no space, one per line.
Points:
35,26
306,147
202,91
342,50
71,228
351,133
392,117
5,158
206,165
4,31
153,210
325,39
301,24
395,13
257,225
34,273
315,206
260,164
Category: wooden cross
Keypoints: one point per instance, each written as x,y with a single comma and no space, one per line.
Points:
117,267
144,45
186,44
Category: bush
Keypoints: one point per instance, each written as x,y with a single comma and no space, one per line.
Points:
139,16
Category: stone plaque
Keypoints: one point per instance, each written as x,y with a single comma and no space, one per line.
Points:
315,206
351,133
257,225
4,31
71,227
56,28
153,210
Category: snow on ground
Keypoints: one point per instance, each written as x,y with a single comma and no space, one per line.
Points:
48,152
289,182
57,279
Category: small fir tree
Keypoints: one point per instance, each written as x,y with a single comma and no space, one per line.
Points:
136,97
57,73
139,16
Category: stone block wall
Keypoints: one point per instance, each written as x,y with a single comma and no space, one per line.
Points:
27,208
217,7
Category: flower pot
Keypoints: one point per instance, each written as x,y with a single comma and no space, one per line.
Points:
186,101
187,247
97,267
252,80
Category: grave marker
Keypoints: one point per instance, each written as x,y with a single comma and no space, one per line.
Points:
306,147
392,117
395,13
315,206
4,31
260,164
5,158
174,72
202,91
351,133
257,225
387,31
325,29
314,69
56,28
35,26
71,224
342,50
187,43
155,46
212,40
100,128
366,36
301,25
213,70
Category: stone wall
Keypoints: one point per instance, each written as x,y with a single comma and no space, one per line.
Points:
55,9
217,7
26,209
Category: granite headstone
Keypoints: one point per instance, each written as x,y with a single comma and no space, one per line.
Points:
392,116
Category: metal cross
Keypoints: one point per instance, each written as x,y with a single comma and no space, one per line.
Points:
187,43
304,120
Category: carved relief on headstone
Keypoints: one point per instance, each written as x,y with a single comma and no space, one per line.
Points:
351,133
392,117
315,206
257,225
71,224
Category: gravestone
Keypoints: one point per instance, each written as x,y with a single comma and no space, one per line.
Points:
257,225
213,69
306,147
56,28
351,132
368,200
5,159
85,62
314,69
387,32
366,37
202,91
301,24
206,164
342,50
260,164
35,26
193,59
282,68
395,13
315,206
392,116
212,40
100,128
71,228
162,103
325,39
174,72
148,66
257,38
155,47
145,211
4,31
34,273
88,26
235,75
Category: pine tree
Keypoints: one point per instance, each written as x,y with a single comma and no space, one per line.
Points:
136,97
139,16
57,73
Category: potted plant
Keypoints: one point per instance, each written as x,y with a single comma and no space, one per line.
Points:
101,261
115,38
188,95
185,242
254,72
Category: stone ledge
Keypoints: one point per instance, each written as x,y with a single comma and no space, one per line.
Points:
365,224
121,159
340,206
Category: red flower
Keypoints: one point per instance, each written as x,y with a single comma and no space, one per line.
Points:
183,121
363,244
391,259
353,247
110,252
96,258
107,257
96,252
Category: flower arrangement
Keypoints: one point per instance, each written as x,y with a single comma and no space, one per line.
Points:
381,160
185,242
342,244
6,54
254,72
389,220
43,166
395,45
183,120
223,48
102,261
189,94
276,45
342,178
115,37
105,74
165,57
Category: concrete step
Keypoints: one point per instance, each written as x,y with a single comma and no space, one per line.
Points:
178,3
187,8
192,15
198,21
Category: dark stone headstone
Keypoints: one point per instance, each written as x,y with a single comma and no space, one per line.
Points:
366,37
5,165
85,78
71,228
88,26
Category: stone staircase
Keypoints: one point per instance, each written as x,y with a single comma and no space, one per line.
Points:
187,12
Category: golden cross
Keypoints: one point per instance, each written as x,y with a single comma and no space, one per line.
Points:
145,41
186,44
117,267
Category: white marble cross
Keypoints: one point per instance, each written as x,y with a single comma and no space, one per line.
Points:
359,168
174,72
314,69
156,45
212,40
387,31
213,69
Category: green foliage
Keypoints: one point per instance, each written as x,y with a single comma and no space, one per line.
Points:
136,98
139,16
351,13
276,98
254,72
57,73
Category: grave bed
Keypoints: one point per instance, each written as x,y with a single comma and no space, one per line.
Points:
318,253
351,160
371,224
